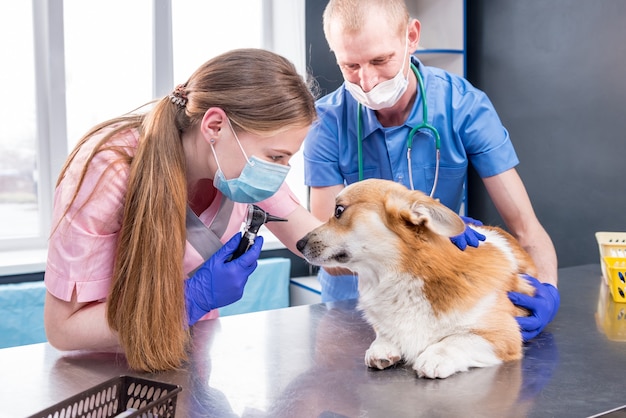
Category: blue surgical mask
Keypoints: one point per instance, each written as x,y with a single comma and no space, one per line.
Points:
258,180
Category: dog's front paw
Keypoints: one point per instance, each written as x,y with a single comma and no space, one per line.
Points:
437,362
456,353
381,355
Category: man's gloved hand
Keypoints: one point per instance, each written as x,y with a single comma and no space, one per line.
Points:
469,236
220,282
542,307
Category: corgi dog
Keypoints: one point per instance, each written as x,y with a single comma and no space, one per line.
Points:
435,307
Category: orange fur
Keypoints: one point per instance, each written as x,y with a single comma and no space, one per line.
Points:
398,241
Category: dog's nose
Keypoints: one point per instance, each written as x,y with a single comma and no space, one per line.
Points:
302,243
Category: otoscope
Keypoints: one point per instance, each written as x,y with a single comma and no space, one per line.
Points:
254,220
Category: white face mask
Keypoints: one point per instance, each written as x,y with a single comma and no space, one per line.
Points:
385,94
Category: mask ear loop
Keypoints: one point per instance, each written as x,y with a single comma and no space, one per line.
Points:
211,142
239,143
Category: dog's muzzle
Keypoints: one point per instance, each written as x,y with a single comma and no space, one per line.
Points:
317,252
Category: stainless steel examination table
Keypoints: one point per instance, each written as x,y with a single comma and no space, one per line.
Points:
307,361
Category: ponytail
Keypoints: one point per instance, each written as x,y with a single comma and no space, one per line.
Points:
146,304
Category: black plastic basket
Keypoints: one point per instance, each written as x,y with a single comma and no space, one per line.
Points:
145,398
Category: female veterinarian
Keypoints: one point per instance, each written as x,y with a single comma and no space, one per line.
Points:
147,200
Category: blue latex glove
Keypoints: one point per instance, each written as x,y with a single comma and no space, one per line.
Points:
542,307
469,236
220,282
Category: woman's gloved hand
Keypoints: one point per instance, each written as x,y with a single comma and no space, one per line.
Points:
542,307
220,282
469,236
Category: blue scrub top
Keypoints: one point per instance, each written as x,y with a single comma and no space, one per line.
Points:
468,125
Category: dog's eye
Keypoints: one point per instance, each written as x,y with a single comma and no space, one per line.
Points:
338,211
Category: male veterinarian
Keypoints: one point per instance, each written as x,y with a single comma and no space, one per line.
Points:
396,119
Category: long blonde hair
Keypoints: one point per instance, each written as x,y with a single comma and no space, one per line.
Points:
262,93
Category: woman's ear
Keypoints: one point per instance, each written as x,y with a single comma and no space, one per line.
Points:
213,122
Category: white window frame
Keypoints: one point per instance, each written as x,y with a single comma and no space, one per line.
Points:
283,23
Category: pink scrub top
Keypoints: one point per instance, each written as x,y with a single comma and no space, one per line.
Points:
81,252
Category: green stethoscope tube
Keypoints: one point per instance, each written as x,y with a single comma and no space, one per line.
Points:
409,142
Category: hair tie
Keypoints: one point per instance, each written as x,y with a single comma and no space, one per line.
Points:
179,96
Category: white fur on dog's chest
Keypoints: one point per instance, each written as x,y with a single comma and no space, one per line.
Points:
399,310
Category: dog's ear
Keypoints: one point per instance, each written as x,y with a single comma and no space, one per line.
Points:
436,217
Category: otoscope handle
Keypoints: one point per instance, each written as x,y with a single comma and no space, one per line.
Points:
255,219
246,242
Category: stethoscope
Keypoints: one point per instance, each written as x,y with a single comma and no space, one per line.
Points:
409,141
